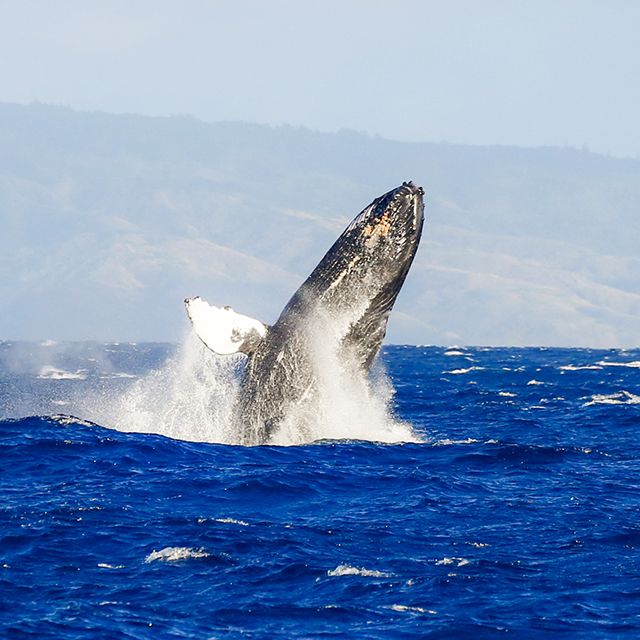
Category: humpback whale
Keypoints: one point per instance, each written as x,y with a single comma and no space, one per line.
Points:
347,300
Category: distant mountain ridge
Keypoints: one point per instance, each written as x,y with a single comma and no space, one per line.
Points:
108,221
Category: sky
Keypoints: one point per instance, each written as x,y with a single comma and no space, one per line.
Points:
509,72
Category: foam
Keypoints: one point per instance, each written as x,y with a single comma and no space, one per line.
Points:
448,442
457,372
403,608
349,570
240,523
52,373
458,562
573,367
622,397
632,365
175,554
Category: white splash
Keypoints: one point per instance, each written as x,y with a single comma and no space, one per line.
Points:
632,365
191,397
175,554
347,404
458,372
51,373
573,367
349,570
447,442
622,397
402,608
240,523
458,562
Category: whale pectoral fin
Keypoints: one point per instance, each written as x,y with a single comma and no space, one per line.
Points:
222,329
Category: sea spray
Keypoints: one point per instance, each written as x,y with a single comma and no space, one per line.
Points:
344,402
192,397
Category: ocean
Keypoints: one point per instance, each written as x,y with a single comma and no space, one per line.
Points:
466,493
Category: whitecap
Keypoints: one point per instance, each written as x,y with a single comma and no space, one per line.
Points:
632,365
349,570
534,383
175,554
67,420
586,367
241,523
52,373
507,394
118,374
457,372
447,442
622,397
402,608
458,562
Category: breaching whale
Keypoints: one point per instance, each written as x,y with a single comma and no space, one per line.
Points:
347,299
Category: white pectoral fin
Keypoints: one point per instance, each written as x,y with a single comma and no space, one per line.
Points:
222,329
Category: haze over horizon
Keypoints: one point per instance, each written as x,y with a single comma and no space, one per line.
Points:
496,72
107,220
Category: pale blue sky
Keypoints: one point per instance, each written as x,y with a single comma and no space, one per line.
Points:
561,72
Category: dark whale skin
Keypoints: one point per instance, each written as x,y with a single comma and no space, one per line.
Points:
349,295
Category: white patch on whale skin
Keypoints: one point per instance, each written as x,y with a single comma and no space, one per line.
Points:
222,329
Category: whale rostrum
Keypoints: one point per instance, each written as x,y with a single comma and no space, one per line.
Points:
345,303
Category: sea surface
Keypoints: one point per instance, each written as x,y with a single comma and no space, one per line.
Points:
513,511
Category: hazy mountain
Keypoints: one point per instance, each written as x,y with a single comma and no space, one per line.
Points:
108,222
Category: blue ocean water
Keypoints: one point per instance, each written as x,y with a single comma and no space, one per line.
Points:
517,514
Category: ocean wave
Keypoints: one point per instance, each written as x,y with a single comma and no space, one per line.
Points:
574,367
176,554
403,608
458,372
349,570
621,397
635,364
240,523
66,420
53,373
453,560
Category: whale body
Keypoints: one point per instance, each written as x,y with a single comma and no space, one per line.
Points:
345,303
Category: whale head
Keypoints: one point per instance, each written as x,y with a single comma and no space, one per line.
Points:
387,232
358,280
